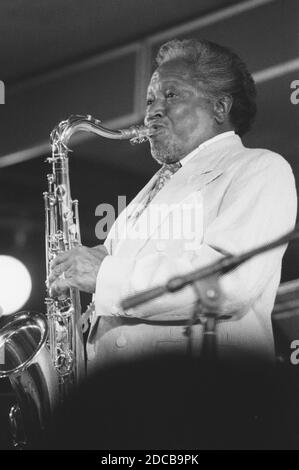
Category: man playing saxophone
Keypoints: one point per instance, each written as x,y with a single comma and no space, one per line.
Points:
200,102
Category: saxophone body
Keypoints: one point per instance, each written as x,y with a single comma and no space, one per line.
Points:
44,359
63,234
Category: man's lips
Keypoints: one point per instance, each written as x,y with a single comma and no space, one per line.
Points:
156,128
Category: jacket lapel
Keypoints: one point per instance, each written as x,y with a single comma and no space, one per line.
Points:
181,185
192,177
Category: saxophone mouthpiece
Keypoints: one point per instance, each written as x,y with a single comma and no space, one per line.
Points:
137,134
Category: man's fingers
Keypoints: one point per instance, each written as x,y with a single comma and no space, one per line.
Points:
59,287
77,267
61,258
58,270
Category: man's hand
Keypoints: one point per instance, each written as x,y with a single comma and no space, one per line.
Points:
76,268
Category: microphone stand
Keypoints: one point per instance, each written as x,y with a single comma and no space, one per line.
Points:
208,301
208,292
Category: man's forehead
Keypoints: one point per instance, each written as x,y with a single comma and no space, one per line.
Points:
173,71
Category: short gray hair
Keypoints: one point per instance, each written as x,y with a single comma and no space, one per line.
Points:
221,71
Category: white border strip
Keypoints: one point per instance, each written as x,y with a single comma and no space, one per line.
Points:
206,20
276,71
44,148
142,74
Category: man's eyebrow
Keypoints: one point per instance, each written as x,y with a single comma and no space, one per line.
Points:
173,83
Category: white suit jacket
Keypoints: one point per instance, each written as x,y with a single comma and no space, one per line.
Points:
241,198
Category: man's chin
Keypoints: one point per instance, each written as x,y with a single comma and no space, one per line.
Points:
159,154
163,158
163,154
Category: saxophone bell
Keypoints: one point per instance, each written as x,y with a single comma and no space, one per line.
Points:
27,363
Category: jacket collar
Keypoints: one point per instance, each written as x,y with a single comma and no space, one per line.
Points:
206,144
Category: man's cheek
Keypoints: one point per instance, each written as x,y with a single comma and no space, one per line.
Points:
185,125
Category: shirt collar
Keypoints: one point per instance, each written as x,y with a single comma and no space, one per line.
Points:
205,144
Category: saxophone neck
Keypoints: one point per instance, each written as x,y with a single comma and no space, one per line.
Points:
62,133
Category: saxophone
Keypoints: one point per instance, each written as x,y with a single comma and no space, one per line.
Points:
44,359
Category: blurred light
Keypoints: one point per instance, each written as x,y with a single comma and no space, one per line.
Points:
15,284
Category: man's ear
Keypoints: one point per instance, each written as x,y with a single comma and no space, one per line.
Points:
222,107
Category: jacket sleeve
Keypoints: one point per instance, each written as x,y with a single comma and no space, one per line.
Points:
258,206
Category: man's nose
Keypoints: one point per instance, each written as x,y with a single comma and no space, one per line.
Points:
155,111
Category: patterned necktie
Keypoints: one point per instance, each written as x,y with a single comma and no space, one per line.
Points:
164,175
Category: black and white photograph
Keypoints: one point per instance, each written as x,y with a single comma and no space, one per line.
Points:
149,246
